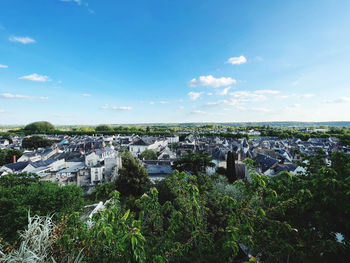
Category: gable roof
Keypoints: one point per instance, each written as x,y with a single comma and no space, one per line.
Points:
17,167
265,162
139,142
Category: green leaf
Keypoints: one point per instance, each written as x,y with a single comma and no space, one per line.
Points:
126,215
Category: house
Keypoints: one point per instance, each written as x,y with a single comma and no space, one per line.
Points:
167,154
96,173
147,143
18,167
137,147
173,139
4,143
84,177
265,164
112,164
29,157
69,175
157,170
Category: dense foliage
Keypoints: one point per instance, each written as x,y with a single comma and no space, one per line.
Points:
193,162
23,192
148,155
231,167
133,177
35,142
39,127
6,155
199,218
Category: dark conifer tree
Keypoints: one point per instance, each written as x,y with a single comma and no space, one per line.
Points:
230,167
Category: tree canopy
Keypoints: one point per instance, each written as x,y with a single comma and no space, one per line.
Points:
199,218
21,193
6,155
41,127
133,177
35,142
148,155
193,162
103,128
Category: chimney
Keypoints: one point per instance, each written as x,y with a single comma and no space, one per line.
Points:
14,159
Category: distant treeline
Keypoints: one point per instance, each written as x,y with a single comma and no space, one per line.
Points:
342,133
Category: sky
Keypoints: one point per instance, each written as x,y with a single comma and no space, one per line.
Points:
95,62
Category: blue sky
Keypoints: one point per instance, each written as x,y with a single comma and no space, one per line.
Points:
109,61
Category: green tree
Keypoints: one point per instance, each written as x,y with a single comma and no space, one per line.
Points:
148,155
133,178
193,162
39,127
6,155
35,142
231,167
104,128
22,192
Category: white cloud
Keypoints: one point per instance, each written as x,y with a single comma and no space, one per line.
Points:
210,81
216,103
36,77
294,95
159,102
86,95
224,91
339,100
3,66
120,108
247,96
283,97
79,2
308,95
210,94
23,40
266,91
2,111
198,112
237,99
16,96
260,109
237,60
194,95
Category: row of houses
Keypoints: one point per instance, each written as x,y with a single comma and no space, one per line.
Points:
87,160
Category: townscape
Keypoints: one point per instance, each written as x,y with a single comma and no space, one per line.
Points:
179,131
88,160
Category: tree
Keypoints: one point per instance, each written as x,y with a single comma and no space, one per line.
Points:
148,155
22,192
133,177
35,142
39,127
193,162
6,155
231,167
104,128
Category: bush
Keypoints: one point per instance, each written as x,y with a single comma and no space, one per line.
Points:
22,192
